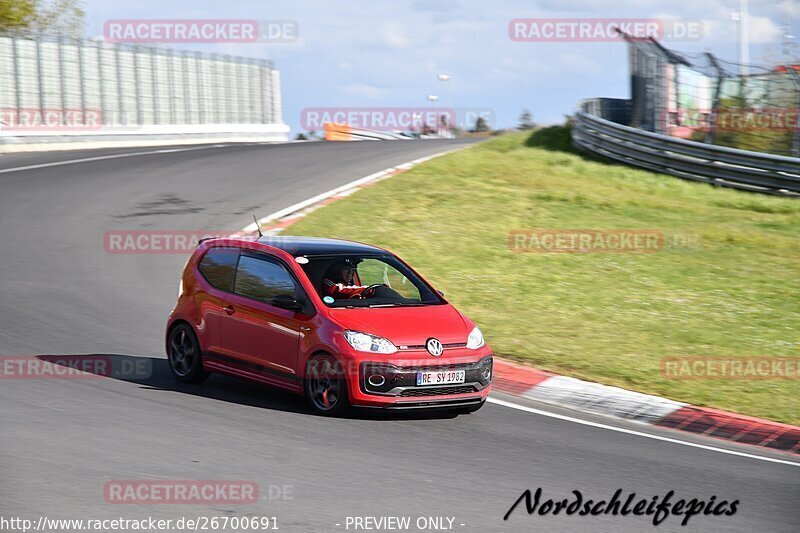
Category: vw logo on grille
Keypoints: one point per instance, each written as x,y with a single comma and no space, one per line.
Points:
435,347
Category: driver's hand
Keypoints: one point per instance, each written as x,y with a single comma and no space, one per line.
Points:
368,293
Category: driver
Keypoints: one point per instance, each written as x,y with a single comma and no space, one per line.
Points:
338,281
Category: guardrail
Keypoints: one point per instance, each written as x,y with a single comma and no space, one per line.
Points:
718,165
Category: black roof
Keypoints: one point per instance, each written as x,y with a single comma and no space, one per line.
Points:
318,246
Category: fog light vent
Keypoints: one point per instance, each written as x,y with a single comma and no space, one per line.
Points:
376,380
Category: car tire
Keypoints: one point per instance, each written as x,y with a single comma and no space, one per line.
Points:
184,355
325,386
470,409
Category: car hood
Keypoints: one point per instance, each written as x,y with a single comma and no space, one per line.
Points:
406,326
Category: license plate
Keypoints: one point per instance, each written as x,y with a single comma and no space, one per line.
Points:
447,377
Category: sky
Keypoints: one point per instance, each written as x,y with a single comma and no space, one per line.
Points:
387,53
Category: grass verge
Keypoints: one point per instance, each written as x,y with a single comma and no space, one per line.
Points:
605,317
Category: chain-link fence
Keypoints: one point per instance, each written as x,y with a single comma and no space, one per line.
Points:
703,98
89,84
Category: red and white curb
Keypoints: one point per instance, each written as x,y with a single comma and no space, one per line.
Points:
534,384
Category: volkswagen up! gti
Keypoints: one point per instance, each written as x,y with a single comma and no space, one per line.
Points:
342,323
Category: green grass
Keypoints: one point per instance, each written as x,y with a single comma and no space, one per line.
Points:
604,317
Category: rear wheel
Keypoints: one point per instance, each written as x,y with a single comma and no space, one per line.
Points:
326,386
183,353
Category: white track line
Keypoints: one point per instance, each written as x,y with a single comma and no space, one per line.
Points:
113,156
637,433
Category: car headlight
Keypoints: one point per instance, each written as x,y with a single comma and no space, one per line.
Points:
475,339
364,342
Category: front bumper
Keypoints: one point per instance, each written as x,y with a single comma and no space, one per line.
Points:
393,384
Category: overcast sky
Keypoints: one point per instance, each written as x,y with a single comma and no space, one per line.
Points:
370,53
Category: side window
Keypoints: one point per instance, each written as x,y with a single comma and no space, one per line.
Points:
262,279
218,266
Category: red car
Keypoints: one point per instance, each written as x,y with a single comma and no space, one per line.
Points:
343,323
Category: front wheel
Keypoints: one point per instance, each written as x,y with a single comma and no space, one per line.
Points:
326,386
183,353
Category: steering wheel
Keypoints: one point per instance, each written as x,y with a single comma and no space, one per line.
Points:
370,291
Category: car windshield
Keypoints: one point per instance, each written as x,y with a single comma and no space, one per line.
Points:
367,281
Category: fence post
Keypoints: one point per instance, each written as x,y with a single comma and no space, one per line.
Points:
82,79
201,109
227,80
100,57
15,54
253,75
215,99
61,74
138,84
154,83
268,92
123,120
40,75
262,96
171,88
796,134
239,80
187,111
712,122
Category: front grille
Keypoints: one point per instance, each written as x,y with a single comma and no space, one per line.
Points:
455,345
422,346
435,367
438,391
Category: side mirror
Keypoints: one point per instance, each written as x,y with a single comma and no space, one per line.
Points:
287,301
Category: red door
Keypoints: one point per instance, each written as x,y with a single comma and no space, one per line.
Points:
256,336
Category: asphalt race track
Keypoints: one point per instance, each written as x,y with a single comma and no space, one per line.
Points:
61,441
